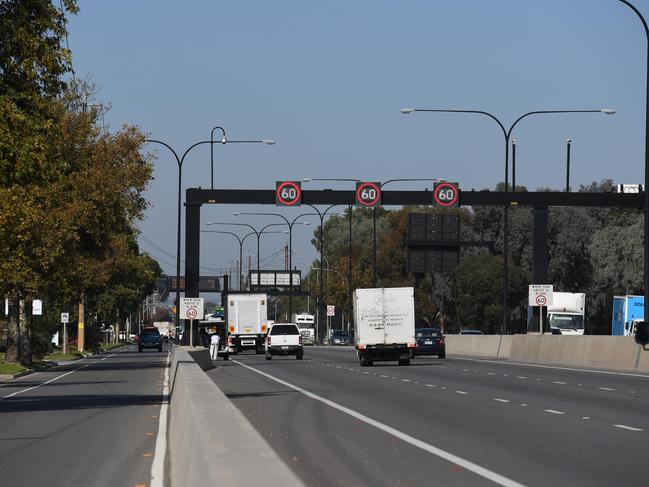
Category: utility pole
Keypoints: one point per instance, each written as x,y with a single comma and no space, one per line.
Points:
81,326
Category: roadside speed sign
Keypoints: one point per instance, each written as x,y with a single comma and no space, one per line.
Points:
368,194
446,195
331,310
288,193
65,317
191,308
540,295
192,313
541,300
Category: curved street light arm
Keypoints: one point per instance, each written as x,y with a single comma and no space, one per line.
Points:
480,112
168,147
236,224
226,233
537,112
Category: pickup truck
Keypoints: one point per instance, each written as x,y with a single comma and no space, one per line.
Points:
149,338
284,339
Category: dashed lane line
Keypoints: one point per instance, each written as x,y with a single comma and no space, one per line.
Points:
462,462
501,400
552,411
629,428
606,388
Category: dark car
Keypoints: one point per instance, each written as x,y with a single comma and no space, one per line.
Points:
339,337
149,338
471,332
429,341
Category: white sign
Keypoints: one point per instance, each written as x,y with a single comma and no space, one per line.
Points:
331,310
37,307
191,308
540,295
65,317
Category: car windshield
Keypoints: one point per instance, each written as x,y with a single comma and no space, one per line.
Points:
150,331
339,334
567,322
470,332
428,333
284,330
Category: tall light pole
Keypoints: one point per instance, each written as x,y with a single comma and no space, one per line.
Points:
224,141
256,232
290,247
241,241
507,134
179,161
322,216
646,157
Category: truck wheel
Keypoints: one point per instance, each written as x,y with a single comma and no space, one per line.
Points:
404,361
442,355
268,356
299,356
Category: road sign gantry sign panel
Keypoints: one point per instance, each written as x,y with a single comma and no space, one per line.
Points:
368,194
446,195
288,193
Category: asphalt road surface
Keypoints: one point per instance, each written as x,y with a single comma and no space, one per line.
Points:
92,422
443,422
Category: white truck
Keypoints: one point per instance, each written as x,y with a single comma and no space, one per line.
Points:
567,313
385,324
247,318
306,323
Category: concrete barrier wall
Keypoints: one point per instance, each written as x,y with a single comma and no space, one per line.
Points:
599,352
210,441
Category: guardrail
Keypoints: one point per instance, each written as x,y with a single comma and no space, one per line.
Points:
210,441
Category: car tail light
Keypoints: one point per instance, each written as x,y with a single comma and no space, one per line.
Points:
441,341
268,340
361,347
412,345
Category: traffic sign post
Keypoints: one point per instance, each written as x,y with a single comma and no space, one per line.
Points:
288,193
331,310
446,195
368,194
65,319
540,295
191,309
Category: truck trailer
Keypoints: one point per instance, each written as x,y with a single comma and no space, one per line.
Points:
385,324
247,322
627,311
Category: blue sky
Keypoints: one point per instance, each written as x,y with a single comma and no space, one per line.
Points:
326,80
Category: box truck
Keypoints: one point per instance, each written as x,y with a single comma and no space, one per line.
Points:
385,324
567,313
247,318
627,311
306,323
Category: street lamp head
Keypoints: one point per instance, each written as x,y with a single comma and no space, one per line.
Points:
223,140
608,111
407,110
306,180
268,142
237,213
513,141
568,141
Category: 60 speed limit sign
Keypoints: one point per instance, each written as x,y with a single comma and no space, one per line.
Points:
368,194
446,195
288,193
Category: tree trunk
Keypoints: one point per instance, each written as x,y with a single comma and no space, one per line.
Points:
25,348
13,337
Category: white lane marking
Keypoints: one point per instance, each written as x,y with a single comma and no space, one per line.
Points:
630,428
500,400
468,465
430,385
559,382
405,380
444,388
157,467
523,405
45,383
520,377
384,376
466,370
585,417
461,392
367,373
491,373
552,411
522,364
606,389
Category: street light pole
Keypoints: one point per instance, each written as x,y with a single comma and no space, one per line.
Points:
507,134
646,157
179,161
224,141
568,143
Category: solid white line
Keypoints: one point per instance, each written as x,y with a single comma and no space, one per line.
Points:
520,377
157,467
45,383
559,382
606,389
571,369
430,385
461,392
630,428
468,465
501,400
552,411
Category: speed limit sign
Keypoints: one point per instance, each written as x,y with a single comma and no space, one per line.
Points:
446,195
288,193
368,194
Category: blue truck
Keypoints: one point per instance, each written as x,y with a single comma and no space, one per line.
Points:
627,311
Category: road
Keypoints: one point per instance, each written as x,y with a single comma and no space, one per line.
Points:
445,422
90,422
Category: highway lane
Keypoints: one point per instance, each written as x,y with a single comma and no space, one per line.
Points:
532,425
89,422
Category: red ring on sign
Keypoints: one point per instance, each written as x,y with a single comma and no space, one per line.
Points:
441,186
374,201
541,300
298,193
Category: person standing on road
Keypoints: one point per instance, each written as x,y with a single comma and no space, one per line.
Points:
214,346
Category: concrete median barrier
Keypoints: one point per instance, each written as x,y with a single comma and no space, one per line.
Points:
488,346
210,441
